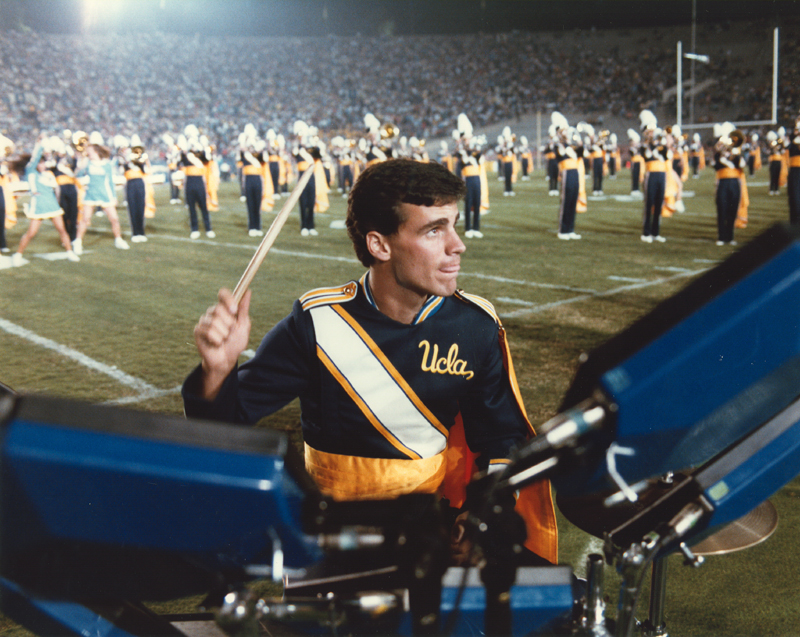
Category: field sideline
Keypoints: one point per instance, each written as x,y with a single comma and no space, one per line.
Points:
116,328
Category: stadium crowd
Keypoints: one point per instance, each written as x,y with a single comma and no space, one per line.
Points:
156,83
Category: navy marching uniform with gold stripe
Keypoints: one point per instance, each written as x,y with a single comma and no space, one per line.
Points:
65,171
655,184
381,399
728,193
193,165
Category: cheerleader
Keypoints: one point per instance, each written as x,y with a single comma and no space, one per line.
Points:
43,204
6,148
97,171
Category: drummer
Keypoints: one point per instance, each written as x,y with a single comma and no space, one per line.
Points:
405,383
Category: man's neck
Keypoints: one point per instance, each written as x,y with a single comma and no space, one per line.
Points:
396,302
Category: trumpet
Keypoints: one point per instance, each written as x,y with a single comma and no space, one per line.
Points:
80,140
389,131
137,154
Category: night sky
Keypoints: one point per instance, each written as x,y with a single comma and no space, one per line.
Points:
373,17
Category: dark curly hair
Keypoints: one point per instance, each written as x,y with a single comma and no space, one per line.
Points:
374,202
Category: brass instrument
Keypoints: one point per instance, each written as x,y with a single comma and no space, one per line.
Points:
80,140
731,143
137,154
389,131
6,146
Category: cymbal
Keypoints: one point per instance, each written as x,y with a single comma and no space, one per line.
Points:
749,530
590,513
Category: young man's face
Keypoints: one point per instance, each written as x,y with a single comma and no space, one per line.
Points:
425,252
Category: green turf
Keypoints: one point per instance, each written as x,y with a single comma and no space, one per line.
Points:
135,310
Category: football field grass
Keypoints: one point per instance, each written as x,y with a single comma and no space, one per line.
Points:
116,328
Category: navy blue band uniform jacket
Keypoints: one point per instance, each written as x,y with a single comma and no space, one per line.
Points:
387,407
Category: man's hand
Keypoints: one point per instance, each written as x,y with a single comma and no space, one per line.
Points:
221,335
461,547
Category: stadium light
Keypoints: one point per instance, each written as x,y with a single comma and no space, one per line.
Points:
700,58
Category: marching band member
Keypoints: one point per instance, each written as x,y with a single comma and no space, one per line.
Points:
729,166
597,156
193,162
775,145
252,171
507,156
656,155
446,158
136,165
403,315
344,152
321,185
212,175
374,153
97,170
612,152
793,178
305,154
417,149
173,155
637,162
569,153
44,201
65,171
274,159
673,189
697,156
550,152
526,158
754,155
471,160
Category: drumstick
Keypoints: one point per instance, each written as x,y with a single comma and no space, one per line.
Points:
271,235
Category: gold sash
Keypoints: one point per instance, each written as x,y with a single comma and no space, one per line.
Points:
356,478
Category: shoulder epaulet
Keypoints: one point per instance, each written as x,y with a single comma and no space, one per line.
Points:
479,301
329,296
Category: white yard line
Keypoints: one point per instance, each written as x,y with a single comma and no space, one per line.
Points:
109,370
549,286
585,297
140,398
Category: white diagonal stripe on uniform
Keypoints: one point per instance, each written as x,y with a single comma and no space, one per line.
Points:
374,384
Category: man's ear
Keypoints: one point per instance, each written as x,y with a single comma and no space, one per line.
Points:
378,246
